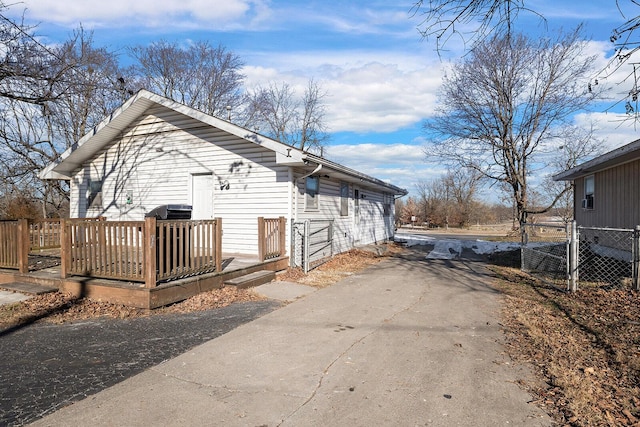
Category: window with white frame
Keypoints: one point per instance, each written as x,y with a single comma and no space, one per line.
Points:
589,190
312,188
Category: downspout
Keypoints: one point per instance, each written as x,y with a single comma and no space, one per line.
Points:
316,170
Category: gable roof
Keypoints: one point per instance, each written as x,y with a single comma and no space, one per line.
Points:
109,128
625,154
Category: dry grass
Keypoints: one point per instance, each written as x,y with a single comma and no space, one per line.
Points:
585,348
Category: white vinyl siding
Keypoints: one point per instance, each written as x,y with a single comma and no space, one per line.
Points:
374,226
156,158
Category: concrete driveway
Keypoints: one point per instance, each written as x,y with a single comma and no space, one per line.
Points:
407,342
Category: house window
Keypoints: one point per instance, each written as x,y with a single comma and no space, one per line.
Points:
589,187
312,187
344,199
387,204
94,194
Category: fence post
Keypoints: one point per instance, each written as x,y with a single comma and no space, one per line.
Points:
283,235
636,258
218,244
23,245
150,243
523,242
261,239
573,258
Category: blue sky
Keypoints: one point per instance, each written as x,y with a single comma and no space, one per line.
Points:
381,77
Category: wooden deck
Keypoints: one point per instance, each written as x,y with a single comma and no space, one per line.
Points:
135,294
145,264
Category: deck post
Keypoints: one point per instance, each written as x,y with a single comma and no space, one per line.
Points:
218,243
283,235
261,239
149,257
23,245
65,249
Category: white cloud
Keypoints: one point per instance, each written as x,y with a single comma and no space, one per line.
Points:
146,13
402,165
369,97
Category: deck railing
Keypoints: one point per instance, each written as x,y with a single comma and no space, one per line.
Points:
271,237
148,251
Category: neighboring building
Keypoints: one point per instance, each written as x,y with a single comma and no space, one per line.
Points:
153,151
607,189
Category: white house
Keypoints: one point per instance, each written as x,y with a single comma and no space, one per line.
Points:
154,151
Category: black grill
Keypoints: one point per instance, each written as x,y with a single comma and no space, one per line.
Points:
170,212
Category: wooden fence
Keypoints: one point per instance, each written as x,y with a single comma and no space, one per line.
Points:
14,244
44,234
271,237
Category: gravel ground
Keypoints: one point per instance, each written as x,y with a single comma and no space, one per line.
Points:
44,366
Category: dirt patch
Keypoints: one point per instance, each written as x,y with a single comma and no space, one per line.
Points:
585,348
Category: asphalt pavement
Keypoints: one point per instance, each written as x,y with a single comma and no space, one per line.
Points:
407,342
44,367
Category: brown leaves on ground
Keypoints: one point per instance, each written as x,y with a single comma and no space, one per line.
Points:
585,347
57,307
338,267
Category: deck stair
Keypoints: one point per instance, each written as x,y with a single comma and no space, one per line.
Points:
253,279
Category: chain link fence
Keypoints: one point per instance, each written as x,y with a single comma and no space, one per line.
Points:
582,256
605,256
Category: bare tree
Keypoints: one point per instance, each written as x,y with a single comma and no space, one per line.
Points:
505,103
449,199
277,111
471,20
579,145
463,185
33,134
201,76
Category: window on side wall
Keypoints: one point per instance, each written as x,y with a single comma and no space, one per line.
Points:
388,199
312,187
589,189
94,194
344,199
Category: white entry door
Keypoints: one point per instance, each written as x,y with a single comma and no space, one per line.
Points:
202,196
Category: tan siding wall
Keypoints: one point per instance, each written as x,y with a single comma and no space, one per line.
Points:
616,198
156,158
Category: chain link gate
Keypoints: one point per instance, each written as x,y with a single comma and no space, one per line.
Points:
311,243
